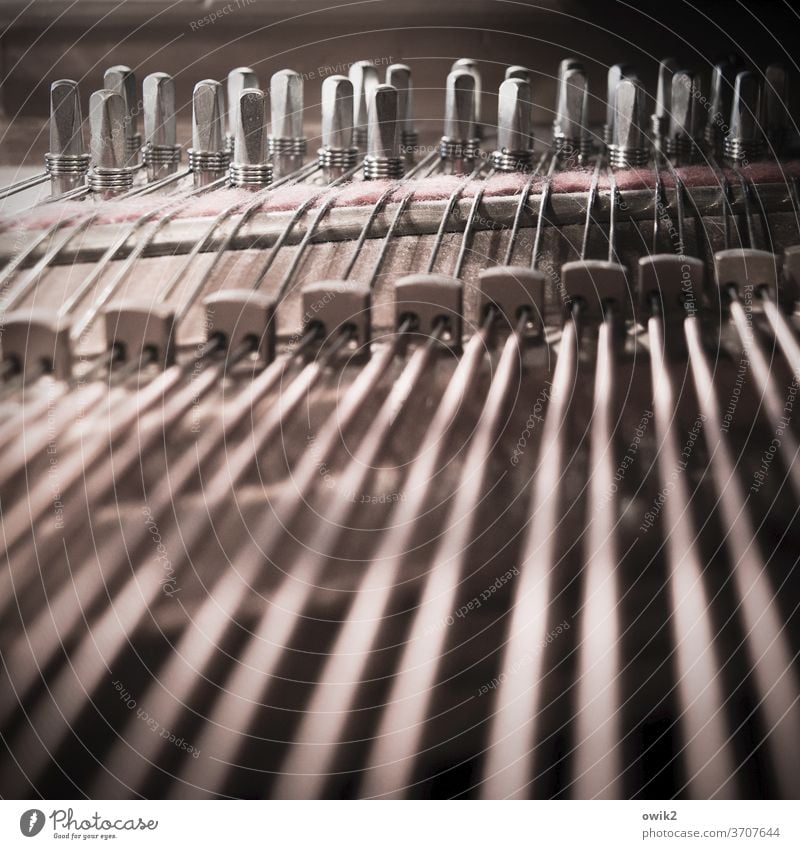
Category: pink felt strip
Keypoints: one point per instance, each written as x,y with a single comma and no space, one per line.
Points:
362,193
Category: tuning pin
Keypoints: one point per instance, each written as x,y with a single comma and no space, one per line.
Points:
519,72
207,117
745,141
238,80
569,64
776,106
399,76
459,117
629,148
208,155
571,139
681,140
364,77
338,153
110,174
161,152
660,118
121,79
472,66
615,74
459,145
286,89
514,152
249,167
720,102
66,131
67,161
383,159
287,144
158,92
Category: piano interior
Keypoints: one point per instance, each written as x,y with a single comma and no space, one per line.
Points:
377,422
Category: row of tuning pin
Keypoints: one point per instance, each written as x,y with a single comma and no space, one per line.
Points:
743,114
116,143
229,135
227,123
229,128
361,114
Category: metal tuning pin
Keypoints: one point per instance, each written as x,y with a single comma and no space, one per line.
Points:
338,153
472,66
571,140
249,167
629,148
110,174
399,76
569,64
514,151
660,118
238,80
615,74
286,143
161,152
121,79
519,72
681,141
383,159
364,77
459,146
745,140
720,103
776,107
208,156
67,162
